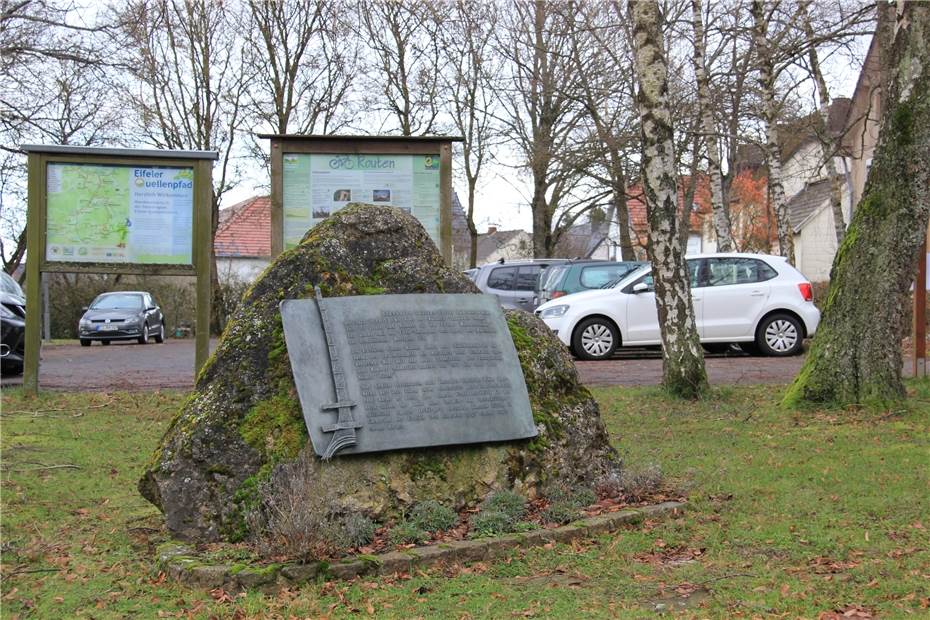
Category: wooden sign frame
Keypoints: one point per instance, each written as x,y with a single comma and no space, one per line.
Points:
39,156
361,145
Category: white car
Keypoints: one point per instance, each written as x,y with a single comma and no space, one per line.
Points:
757,300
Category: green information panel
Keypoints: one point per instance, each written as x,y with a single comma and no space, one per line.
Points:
119,214
318,185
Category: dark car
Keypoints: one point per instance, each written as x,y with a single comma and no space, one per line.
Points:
513,283
12,325
581,275
126,315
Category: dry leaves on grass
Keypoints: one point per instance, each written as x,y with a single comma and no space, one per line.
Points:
670,556
852,611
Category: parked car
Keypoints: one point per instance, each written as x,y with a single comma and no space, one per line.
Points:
513,283
12,325
581,275
124,315
756,300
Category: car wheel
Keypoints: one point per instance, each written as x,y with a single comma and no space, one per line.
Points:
85,342
144,338
105,343
595,339
780,335
160,337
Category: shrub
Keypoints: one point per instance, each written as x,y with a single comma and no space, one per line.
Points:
357,530
490,523
560,512
432,516
406,532
508,503
577,497
639,484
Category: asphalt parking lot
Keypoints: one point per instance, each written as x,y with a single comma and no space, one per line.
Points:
130,366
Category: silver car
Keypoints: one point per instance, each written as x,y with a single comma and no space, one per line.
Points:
513,283
126,315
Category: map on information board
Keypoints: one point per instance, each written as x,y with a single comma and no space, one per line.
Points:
119,214
317,185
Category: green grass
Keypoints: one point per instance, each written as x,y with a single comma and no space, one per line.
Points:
791,513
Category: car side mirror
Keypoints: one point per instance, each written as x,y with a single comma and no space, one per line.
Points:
641,287
150,308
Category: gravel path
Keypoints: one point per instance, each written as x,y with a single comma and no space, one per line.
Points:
130,366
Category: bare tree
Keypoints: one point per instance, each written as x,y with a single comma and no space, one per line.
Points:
682,358
856,356
472,69
601,56
540,116
830,141
403,79
54,91
187,86
303,57
708,128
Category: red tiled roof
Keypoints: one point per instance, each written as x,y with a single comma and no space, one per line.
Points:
245,229
636,206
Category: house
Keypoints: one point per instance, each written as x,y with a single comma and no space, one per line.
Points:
812,224
589,239
863,121
242,244
243,238
507,245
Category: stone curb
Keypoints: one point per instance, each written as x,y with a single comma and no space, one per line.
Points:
181,563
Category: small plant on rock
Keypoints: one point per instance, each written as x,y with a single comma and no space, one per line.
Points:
490,523
560,512
406,532
357,530
432,516
510,504
639,484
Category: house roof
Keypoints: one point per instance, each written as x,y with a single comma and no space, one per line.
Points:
244,229
582,240
488,243
636,206
807,202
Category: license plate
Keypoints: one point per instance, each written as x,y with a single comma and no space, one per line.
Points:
106,328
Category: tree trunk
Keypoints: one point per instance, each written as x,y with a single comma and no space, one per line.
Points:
721,209
829,142
682,358
618,192
856,355
472,230
772,144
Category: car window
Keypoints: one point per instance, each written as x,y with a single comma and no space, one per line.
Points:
501,278
9,285
527,276
693,269
730,271
551,277
123,302
694,272
597,276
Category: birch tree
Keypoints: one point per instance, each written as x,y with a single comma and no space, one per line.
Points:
829,142
708,131
683,370
856,355
765,50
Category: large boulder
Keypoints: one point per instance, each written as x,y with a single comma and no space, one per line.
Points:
243,423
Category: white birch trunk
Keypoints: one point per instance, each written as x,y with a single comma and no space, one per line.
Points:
682,356
721,210
772,144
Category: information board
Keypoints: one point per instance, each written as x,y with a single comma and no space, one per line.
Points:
318,185
119,214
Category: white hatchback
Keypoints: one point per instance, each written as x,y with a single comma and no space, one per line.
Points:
756,300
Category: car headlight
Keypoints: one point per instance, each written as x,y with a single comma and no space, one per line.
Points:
554,312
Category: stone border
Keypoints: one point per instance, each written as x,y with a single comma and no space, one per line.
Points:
181,563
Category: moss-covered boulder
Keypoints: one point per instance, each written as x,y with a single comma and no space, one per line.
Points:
242,431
